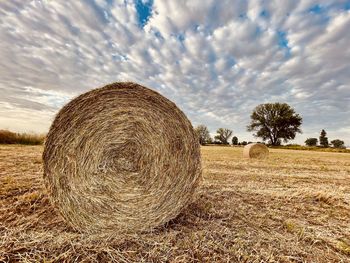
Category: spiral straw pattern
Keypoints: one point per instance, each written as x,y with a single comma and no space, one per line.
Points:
256,151
121,158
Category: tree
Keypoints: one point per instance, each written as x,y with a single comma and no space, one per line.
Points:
223,135
338,143
244,143
209,141
323,139
275,122
234,140
203,134
311,141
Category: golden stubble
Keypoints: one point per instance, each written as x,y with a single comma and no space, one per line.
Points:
292,207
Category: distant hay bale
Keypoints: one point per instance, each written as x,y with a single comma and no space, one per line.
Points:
121,158
256,151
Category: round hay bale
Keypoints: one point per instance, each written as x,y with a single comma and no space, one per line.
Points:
256,151
121,158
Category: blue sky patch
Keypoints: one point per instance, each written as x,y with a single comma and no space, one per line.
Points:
243,16
158,35
321,12
144,11
231,61
264,14
283,42
282,39
181,37
316,9
347,5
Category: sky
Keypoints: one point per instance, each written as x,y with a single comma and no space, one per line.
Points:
216,60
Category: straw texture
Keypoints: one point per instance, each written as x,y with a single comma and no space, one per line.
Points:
256,150
121,158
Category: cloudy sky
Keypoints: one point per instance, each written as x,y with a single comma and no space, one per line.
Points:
216,60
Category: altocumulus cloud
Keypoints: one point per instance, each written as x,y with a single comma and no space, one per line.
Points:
216,59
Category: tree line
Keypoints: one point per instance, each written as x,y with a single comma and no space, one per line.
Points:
274,123
323,141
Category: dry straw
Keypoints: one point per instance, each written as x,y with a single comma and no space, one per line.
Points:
256,150
121,158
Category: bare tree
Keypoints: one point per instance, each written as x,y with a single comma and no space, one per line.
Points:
203,134
223,135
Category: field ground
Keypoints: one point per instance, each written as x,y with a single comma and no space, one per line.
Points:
294,207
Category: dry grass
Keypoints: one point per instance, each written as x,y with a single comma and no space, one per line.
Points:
9,137
293,207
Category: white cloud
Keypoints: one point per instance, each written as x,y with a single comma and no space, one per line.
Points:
216,60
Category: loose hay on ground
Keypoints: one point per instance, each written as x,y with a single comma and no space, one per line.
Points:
121,158
245,211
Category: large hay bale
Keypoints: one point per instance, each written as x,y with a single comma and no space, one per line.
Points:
121,158
256,151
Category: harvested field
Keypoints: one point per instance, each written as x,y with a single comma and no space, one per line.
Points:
292,207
